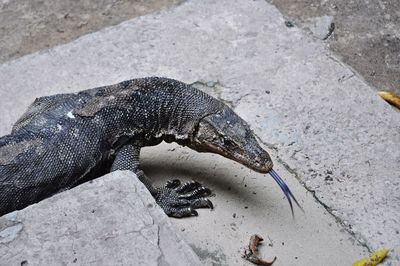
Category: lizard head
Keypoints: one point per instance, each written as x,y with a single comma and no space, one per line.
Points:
225,133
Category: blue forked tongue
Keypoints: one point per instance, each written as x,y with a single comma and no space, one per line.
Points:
285,190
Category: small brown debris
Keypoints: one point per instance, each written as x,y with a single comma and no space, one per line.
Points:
251,254
254,242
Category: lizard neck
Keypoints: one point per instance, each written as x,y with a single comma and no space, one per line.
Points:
168,109
154,108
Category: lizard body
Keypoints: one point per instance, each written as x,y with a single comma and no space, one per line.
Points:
66,139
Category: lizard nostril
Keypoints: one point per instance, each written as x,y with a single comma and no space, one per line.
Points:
259,163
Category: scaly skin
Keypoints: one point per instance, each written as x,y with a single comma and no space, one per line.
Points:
64,140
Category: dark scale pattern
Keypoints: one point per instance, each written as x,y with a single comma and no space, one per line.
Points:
181,200
127,159
66,139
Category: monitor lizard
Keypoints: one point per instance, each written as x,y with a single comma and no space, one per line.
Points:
66,139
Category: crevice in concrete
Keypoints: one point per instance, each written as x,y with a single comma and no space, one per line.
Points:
236,102
216,88
160,259
158,235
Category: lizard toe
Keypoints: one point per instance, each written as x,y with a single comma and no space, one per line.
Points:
197,193
180,203
202,203
187,187
182,212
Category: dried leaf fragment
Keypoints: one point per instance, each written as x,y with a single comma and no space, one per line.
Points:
251,253
254,242
390,97
374,259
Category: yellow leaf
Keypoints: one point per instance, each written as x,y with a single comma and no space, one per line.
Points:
362,262
390,97
374,259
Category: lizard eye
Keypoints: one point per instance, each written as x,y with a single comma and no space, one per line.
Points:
227,142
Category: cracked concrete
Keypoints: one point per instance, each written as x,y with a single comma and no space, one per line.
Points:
85,226
320,120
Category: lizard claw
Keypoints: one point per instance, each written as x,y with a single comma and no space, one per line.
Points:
181,200
203,203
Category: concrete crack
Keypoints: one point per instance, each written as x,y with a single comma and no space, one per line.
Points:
236,102
158,235
160,258
217,89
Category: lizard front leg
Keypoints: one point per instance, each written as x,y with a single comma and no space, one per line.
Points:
176,199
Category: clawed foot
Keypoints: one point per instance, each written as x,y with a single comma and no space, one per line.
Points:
181,200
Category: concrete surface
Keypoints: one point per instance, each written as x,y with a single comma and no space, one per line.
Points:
324,124
247,203
366,35
33,25
112,220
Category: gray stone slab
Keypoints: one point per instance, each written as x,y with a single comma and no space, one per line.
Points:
325,123
112,220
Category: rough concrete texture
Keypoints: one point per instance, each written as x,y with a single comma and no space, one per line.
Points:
247,203
366,35
325,124
112,220
34,25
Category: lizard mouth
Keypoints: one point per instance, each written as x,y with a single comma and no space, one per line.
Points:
257,164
